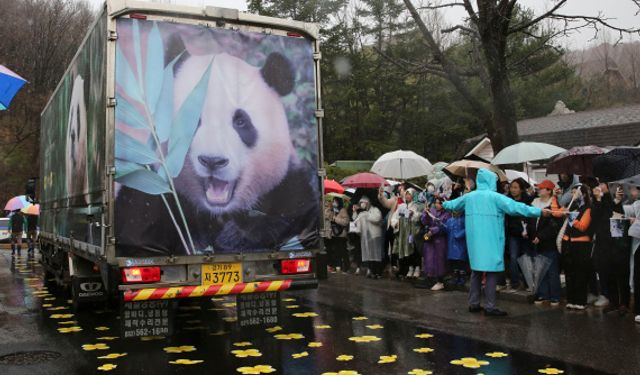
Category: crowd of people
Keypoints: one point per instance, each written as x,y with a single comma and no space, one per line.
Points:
490,235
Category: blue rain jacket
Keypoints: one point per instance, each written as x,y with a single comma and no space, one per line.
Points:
456,241
484,212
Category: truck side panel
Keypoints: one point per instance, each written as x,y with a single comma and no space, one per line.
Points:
72,146
216,145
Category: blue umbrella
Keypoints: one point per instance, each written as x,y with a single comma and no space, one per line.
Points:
10,83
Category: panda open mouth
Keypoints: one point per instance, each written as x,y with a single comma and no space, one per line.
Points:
219,192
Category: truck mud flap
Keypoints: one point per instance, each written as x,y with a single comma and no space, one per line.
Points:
87,289
217,290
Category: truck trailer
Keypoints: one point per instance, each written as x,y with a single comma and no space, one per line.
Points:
181,157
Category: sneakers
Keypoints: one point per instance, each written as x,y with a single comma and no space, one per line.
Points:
602,301
591,298
495,312
571,306
437,286
410,272
539,301
554,302
478,308
637,319
416,272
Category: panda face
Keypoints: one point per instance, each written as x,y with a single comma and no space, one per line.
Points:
242,147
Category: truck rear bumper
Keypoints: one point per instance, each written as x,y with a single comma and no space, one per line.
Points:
217,290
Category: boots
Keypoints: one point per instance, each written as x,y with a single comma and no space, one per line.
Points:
462,278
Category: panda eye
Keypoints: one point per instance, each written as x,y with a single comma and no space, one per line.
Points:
240,119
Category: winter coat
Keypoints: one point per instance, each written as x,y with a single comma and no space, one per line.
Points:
516,224
484,221
338,219
456,239
545,228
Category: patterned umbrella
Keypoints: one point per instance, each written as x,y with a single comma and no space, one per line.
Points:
10,83
16,203
618,164
364,180
469,169
576,160
32,209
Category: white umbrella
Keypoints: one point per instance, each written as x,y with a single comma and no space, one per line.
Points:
526,151
513,174
401,164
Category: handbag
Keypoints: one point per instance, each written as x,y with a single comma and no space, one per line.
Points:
336,229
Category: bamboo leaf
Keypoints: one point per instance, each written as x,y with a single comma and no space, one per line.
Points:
146,181
154,67
185,124
129,149
129,114
124,167
125,77
163,112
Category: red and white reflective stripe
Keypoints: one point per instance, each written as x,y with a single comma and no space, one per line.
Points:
205,290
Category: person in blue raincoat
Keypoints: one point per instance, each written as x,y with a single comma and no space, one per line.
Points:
484,224
457,247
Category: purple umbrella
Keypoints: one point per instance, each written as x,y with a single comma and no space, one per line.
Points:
576,160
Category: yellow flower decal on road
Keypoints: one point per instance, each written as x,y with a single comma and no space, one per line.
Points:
47,305
68,322
274,329
151,338
242,343
359,318
496,354
107,367
292,306
98,346
180,349
305,315
217,299
69,329
108,338
469,362
50,299
288,299
344,358
387,358
246,353
364,338
56,308
423,350
229,304
375,326
230,319
61,316
289,336
300,355
417,371
186,361
551,371
323,326
314,344
102,328
256,370
342,372
112,356
424,336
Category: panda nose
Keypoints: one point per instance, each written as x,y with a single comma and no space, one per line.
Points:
213,162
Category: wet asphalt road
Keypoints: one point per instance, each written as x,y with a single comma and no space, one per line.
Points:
351,334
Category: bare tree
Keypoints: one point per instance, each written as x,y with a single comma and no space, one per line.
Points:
491,23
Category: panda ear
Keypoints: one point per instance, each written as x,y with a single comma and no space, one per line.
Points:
278,73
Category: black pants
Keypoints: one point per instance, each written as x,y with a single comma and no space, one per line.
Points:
338,255
356,252
616,274
576,258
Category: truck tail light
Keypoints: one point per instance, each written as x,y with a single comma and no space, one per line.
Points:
141,274
295,266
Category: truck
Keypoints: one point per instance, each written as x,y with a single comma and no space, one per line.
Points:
181,157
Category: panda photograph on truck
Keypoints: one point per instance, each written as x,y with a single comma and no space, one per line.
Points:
214,144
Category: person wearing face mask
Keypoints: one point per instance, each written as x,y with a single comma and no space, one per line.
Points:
368,219
434,250
518,241
576,248
336,242
406,218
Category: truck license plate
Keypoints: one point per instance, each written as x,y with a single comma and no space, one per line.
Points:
221,273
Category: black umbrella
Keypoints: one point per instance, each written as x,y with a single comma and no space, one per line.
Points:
576,160
617,164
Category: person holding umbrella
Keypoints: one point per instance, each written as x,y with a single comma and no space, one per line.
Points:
485,210
16,227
